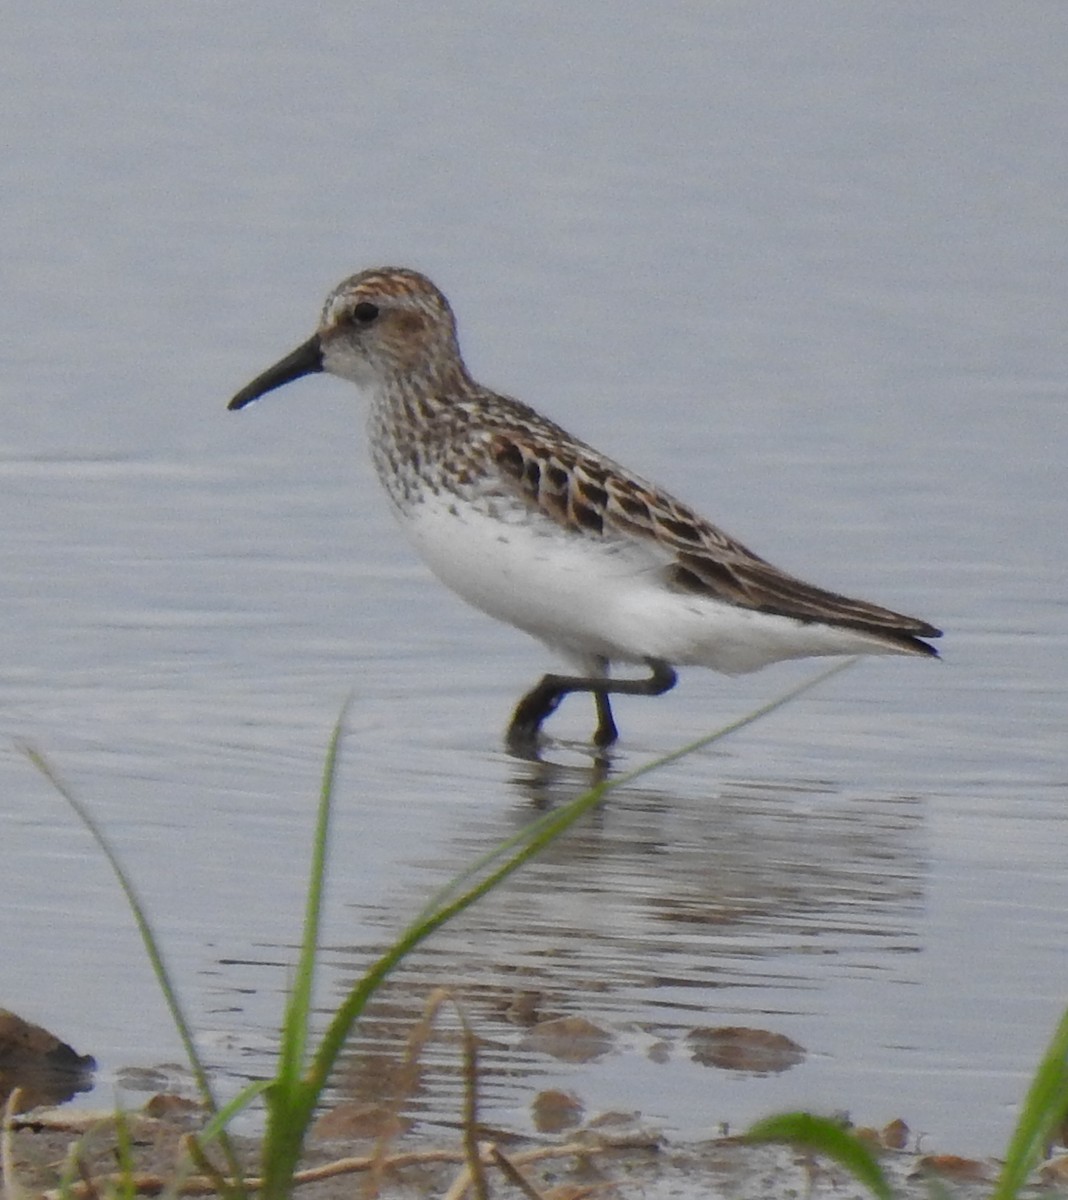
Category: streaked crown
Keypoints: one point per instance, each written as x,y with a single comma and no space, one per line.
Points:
387,323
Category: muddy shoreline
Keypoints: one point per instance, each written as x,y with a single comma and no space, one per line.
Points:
370,1146
621,1158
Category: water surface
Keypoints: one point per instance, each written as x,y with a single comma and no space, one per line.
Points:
807,267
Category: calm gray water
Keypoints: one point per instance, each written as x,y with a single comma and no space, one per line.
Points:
806,265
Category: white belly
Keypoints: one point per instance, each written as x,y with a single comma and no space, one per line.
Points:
521,569
586,596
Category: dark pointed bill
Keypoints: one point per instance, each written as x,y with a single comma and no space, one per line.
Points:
305,360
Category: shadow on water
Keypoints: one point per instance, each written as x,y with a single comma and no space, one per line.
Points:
657,921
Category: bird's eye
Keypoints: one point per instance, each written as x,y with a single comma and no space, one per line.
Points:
365,312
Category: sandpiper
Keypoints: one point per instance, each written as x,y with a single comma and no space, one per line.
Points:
540,530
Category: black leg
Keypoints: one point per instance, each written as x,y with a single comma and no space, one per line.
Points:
545,696
606,732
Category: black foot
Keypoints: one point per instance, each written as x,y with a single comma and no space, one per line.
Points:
522,737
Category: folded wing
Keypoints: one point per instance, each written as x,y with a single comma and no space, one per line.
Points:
592,496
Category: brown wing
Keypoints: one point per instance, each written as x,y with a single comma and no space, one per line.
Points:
587,493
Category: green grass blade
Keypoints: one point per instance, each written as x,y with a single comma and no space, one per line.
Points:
148,938
287,1106
418,931
127,1188
826,1137
217,1126
295,1028
155,955
1044,1108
